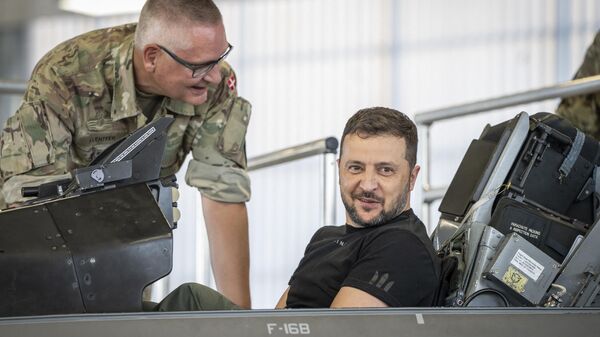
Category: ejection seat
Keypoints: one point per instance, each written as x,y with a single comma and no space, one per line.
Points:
518,222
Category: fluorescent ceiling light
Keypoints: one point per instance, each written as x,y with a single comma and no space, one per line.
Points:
102,7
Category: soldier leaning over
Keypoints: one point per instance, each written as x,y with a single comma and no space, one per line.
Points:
91,90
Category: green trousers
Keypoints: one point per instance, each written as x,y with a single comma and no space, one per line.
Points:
193,297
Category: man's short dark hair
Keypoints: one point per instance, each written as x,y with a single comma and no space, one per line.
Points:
379,121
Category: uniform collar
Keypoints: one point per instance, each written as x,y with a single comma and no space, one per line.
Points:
182,108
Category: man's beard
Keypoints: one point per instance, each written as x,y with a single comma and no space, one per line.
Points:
383,216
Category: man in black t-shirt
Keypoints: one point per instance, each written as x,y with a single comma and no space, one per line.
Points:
382,256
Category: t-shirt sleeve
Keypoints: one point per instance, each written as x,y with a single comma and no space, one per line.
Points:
395,267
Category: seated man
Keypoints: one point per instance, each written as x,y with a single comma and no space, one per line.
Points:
382,256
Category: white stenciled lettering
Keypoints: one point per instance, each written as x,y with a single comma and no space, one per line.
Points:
525,231
135,144
288,328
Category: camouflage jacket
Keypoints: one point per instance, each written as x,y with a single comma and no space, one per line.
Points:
584,111
81,98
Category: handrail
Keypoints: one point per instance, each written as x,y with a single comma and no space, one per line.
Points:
433,194
12,87
321,146
326,147
566,89
425,119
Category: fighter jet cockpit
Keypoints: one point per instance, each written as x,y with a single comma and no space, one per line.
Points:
519,220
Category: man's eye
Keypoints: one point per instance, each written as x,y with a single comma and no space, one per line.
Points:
386,170
354,168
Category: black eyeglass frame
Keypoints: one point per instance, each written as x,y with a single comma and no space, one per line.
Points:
198,70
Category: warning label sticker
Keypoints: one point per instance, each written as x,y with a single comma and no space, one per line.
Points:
527,265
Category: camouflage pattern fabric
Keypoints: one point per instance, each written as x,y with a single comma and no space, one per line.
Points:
584,111
81,98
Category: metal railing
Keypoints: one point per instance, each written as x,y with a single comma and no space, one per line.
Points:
12,87
326,147
424,120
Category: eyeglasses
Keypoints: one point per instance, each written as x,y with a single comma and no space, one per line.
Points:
198,70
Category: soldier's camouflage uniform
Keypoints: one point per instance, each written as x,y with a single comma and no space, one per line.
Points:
81,98
584,111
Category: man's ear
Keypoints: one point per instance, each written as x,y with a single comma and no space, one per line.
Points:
150,55
413,176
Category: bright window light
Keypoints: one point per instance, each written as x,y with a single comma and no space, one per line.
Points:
101,8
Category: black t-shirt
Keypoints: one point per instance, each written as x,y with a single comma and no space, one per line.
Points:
394,262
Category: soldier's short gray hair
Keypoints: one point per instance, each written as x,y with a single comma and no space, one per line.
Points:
160,19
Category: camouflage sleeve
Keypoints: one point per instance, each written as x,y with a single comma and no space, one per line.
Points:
35,141
218,166
584,111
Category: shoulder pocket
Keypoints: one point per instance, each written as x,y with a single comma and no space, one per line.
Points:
232,139
26,140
